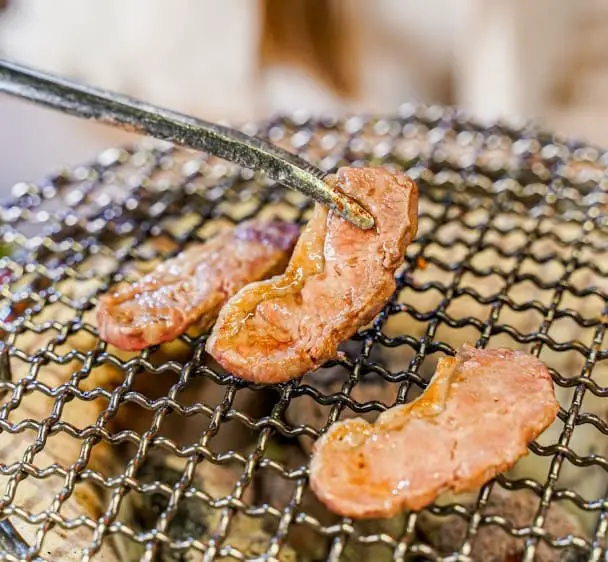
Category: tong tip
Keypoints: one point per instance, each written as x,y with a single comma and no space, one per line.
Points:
354,213
348,208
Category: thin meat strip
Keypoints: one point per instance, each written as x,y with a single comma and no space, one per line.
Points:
338,279
474,421
192,287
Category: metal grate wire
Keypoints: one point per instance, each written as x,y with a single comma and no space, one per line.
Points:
512,250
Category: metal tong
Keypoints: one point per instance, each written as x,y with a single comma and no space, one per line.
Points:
135,116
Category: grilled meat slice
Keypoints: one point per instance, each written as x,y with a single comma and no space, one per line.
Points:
338,279
475,420
192,287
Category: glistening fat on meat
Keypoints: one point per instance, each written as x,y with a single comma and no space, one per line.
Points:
192,287
337,280
474,421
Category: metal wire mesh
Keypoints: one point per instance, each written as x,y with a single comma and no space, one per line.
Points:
512,250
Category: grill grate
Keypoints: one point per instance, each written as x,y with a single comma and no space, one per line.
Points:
512,250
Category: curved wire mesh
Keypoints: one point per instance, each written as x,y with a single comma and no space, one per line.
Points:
161,455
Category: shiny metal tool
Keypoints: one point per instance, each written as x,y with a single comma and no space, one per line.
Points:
135,116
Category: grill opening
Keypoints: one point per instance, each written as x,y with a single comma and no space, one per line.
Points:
160,455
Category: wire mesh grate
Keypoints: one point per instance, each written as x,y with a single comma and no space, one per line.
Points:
160,455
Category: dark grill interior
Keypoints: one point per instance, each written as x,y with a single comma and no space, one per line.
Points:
512,250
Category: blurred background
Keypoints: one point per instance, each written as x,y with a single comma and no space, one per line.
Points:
238,60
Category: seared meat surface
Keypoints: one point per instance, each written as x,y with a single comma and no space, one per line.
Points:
338,279
475,419
192,287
